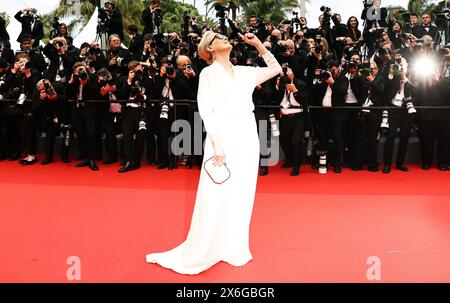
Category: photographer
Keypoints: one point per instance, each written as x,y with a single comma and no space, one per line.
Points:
6,53
285,53
19,85
134,88
59,30
170,84
43,97
109,113
152,17
61,62
426,28
373,25
37,59
117,57
114,20
150,52
291,92
136,42
399,94
370,120
80,89
31,25
410,22
4,36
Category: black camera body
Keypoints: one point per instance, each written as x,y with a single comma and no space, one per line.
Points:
284,80
220,11
170,70
326,74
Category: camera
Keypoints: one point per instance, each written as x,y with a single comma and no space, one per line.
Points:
220,11
142,124
186,16
82,75
284,80
170,70
164,110
325,9
157,16
60,43
385,121
410,108
352,64
326,74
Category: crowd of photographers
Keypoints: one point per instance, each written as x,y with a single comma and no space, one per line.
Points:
340,91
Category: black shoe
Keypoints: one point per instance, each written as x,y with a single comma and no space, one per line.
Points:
93,165
287,165
137,165
426,166
162,165
337,169
387,169
442,167
47,161
109,161
402,168
28,162
295,171
83,164
65,159
373,169
151,162
357,167
127,167
264,171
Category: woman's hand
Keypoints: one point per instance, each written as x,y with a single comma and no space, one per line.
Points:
219,156
250,39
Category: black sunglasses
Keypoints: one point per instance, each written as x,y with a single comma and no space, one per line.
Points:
218,36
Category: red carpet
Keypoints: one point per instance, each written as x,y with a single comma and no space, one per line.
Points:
310,228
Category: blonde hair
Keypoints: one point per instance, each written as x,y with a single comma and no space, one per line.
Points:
185,58
208,36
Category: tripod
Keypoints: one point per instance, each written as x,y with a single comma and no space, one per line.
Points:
102,36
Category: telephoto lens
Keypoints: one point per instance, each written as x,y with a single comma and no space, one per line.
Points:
322,162
164,111
142,125
385,121
410,108
274,125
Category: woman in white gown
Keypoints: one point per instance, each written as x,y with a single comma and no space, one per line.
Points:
221,219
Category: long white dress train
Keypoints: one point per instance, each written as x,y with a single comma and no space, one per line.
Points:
221,219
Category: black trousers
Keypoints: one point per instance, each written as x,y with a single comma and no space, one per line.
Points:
12,116
133,139
367,142
430,131
30,126
398,118
111,127
292,130
164,140
83,118
151,135
350,137
263,115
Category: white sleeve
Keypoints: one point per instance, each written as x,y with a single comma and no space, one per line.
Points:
205,106
265,73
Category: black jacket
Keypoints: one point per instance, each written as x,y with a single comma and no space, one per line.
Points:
115,24
136,47
4,36
420,31
37,32
147,19
67,59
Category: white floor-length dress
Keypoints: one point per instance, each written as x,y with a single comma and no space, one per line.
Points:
220,223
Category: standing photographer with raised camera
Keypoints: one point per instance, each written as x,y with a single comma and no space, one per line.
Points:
134,88
291,92
81,89
117,57
399,91
19,85
374,17
114,20
31,25
152,17
136,42
43,96
4,36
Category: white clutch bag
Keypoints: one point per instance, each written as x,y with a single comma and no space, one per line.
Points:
218,174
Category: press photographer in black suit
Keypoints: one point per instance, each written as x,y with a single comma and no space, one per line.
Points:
399,91
109,113
19,85
291,91
136,43
348,90
43,110
4,36
36,54
133,88
370,120
114,20
426,28
31,25
117,57
82,88
148,16
434,125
